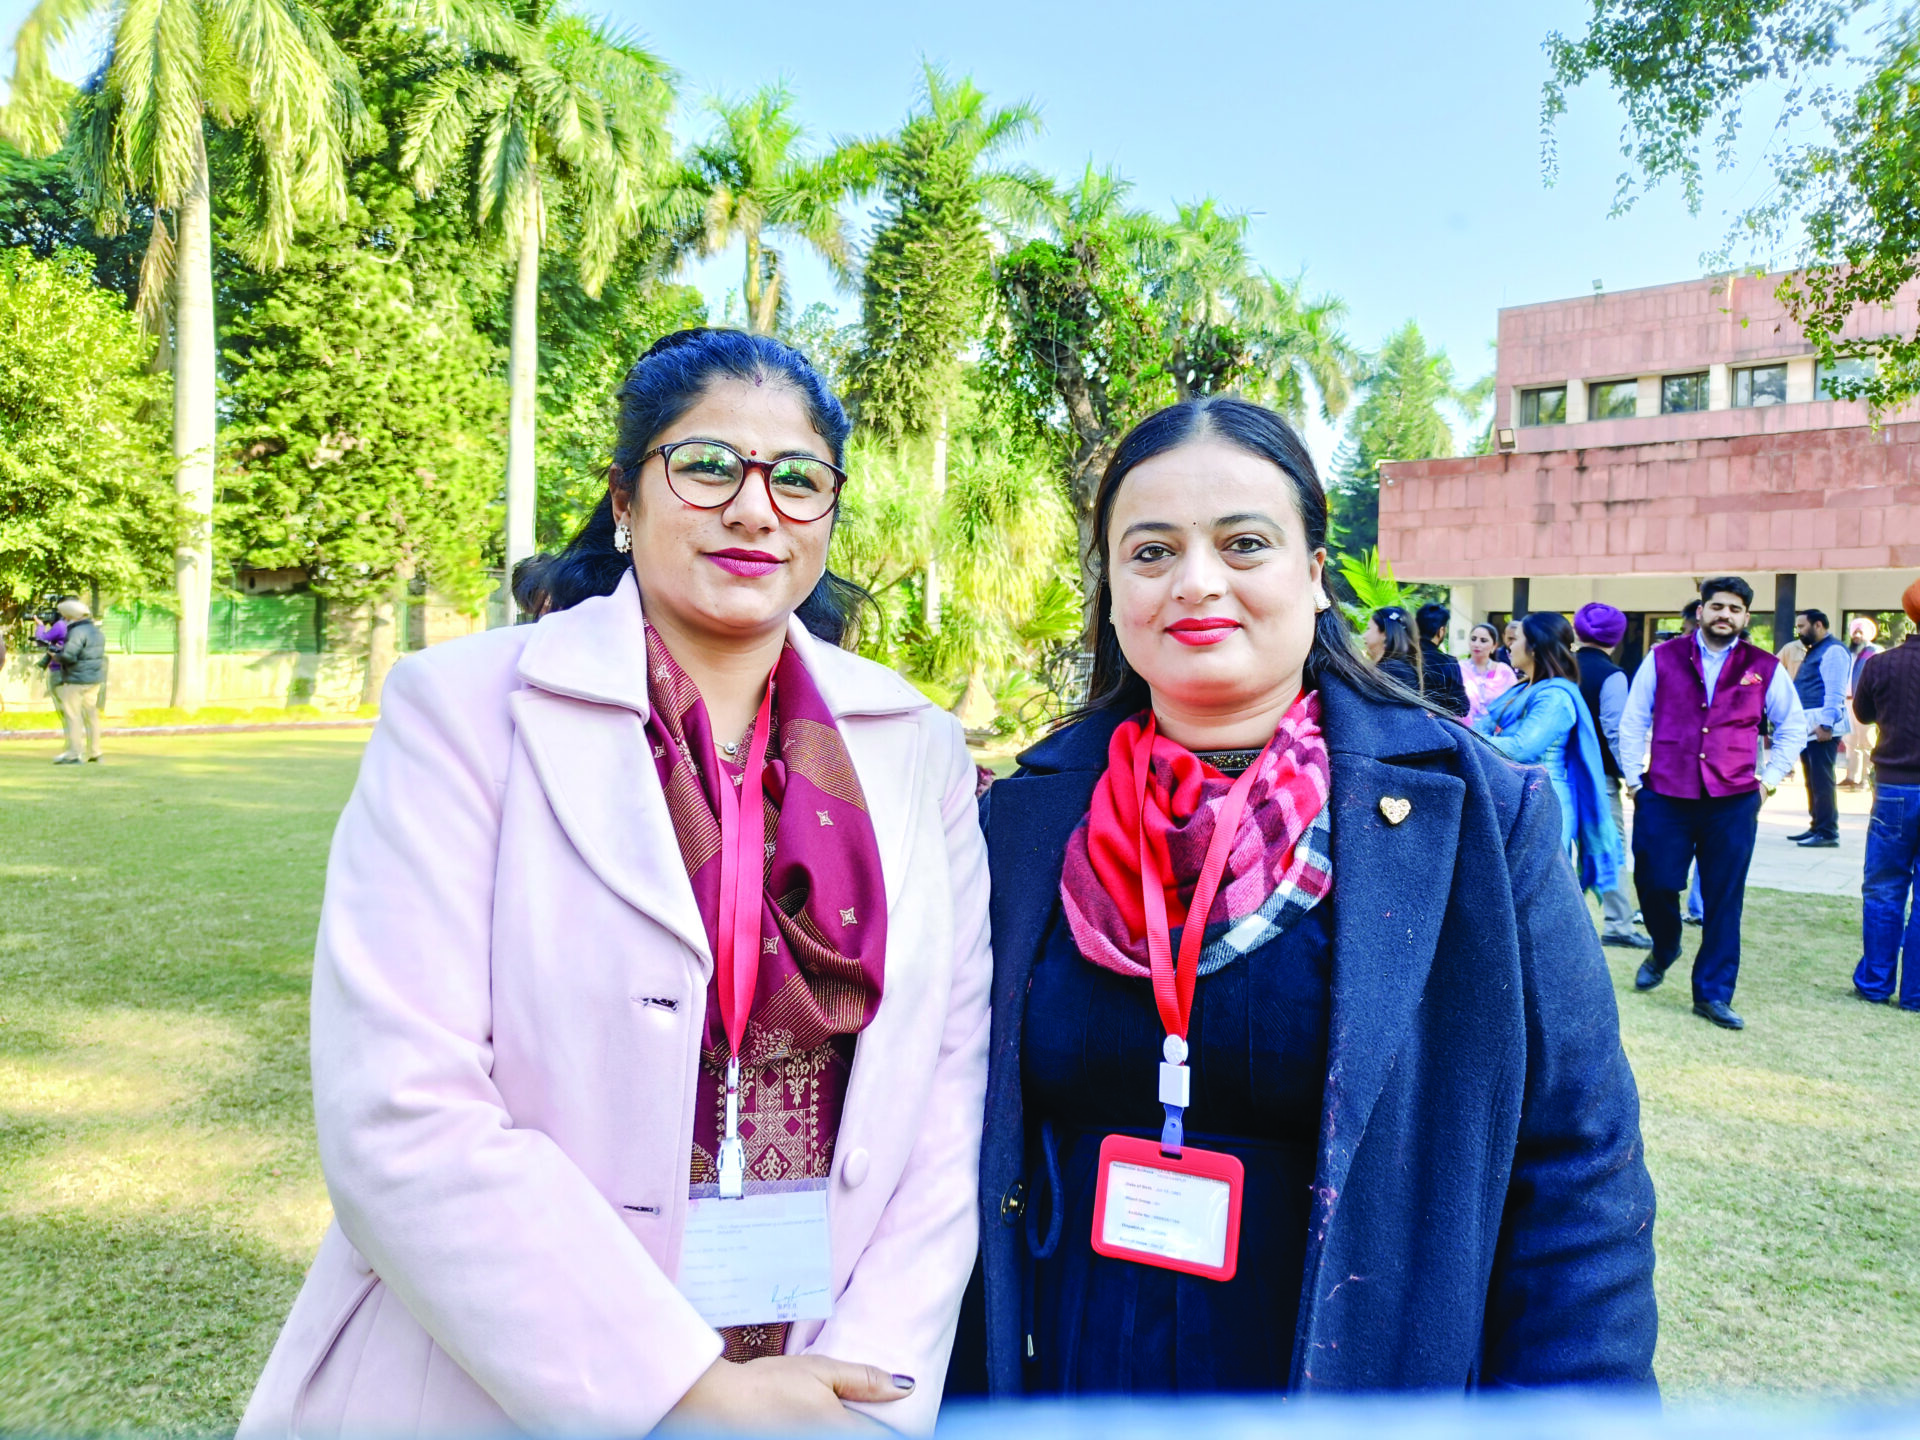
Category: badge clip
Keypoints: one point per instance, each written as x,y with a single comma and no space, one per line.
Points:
733,1155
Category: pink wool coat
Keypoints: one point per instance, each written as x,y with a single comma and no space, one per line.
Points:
508,996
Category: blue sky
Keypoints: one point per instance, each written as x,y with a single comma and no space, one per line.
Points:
1389,150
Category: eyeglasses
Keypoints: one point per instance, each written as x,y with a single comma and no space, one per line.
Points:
706,475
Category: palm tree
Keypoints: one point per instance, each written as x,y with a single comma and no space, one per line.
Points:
136,133
544,109
751,179
926,279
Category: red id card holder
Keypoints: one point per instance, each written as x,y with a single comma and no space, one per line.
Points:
1177,1213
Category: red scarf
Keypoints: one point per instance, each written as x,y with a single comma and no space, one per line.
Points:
1278,868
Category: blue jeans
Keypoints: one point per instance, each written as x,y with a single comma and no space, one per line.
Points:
1893,855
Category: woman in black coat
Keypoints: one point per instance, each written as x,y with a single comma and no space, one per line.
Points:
1406,1048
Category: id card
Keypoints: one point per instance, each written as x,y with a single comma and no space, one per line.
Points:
762,1259
1179,1214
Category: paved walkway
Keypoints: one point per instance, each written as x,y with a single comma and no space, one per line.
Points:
1778,865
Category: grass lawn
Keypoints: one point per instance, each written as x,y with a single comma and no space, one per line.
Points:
159,1195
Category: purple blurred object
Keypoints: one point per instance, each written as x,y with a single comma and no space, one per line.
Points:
1600,624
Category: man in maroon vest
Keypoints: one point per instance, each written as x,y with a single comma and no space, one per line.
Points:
1699,700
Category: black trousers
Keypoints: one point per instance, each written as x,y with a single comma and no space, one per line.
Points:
1668,837
1823,805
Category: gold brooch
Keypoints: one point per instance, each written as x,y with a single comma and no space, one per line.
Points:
1395,809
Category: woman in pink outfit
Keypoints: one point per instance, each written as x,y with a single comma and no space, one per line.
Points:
1485,678
545,1121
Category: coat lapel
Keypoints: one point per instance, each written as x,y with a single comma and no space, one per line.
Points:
582,713
1391,886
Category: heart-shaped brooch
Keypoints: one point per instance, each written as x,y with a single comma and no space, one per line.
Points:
1395,809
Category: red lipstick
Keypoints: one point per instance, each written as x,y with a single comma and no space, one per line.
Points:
1205,630
749,563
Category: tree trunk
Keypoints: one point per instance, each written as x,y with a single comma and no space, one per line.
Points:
750,281
193,436
932,602
385,639
523,401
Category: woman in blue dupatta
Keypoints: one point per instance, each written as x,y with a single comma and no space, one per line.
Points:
1544,721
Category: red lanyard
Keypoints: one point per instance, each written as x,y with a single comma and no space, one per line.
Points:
1173,987
742,879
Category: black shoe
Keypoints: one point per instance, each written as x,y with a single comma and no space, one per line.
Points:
1819,842
1652,972
1803,835
1720,1013
1860,994
1689,920
1627,942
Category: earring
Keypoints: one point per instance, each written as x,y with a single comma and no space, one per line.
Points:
622,538
1321,604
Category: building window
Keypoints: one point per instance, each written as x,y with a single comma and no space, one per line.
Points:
1762,385
1613,400
1683,394
1544,407
1840,370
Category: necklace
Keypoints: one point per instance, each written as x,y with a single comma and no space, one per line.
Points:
1229,762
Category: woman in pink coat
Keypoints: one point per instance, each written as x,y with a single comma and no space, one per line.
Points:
579,1184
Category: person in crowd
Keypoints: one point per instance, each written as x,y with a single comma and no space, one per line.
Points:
49,636
1597,630
1888,696
614,900
1191,972
1544,721
1484,678
1822,687
1704,804
1440,671
1792,655
1393,646
1861,636
1507,636
82,658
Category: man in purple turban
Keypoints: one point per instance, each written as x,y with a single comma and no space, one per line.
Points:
1597,630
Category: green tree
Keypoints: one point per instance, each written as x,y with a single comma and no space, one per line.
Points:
267,70
926,284
541,110
750,179
1078,353
1687,70
365,407
1403,392
85,498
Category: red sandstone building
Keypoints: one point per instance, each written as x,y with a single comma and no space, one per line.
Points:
1651,438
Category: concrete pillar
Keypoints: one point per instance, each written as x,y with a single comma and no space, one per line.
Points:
1460,606
1800,381
1646,399
1521,586
1784,586
1576,401
1719,388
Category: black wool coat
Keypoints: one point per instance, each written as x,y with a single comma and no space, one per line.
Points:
1482,1211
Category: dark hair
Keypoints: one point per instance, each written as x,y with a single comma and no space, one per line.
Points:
1815,617
1432,619
1492,630
1258,431
663,385
1690,610
1402,643
1550,643
1732,585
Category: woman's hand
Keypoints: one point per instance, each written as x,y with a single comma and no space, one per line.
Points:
783,1392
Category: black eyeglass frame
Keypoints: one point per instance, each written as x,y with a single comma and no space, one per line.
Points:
747,467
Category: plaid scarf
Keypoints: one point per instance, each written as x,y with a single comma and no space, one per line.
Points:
823,930
1278,869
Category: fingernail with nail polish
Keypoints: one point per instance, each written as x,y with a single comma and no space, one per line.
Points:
903,1382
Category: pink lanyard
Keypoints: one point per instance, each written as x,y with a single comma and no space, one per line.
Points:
742,880
1173,984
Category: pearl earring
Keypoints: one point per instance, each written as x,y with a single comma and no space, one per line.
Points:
1321,603
622,538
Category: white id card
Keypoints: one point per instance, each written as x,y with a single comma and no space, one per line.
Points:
1177,1212
762,1259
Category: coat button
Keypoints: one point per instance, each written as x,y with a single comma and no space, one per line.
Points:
1013,1203
853,1172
